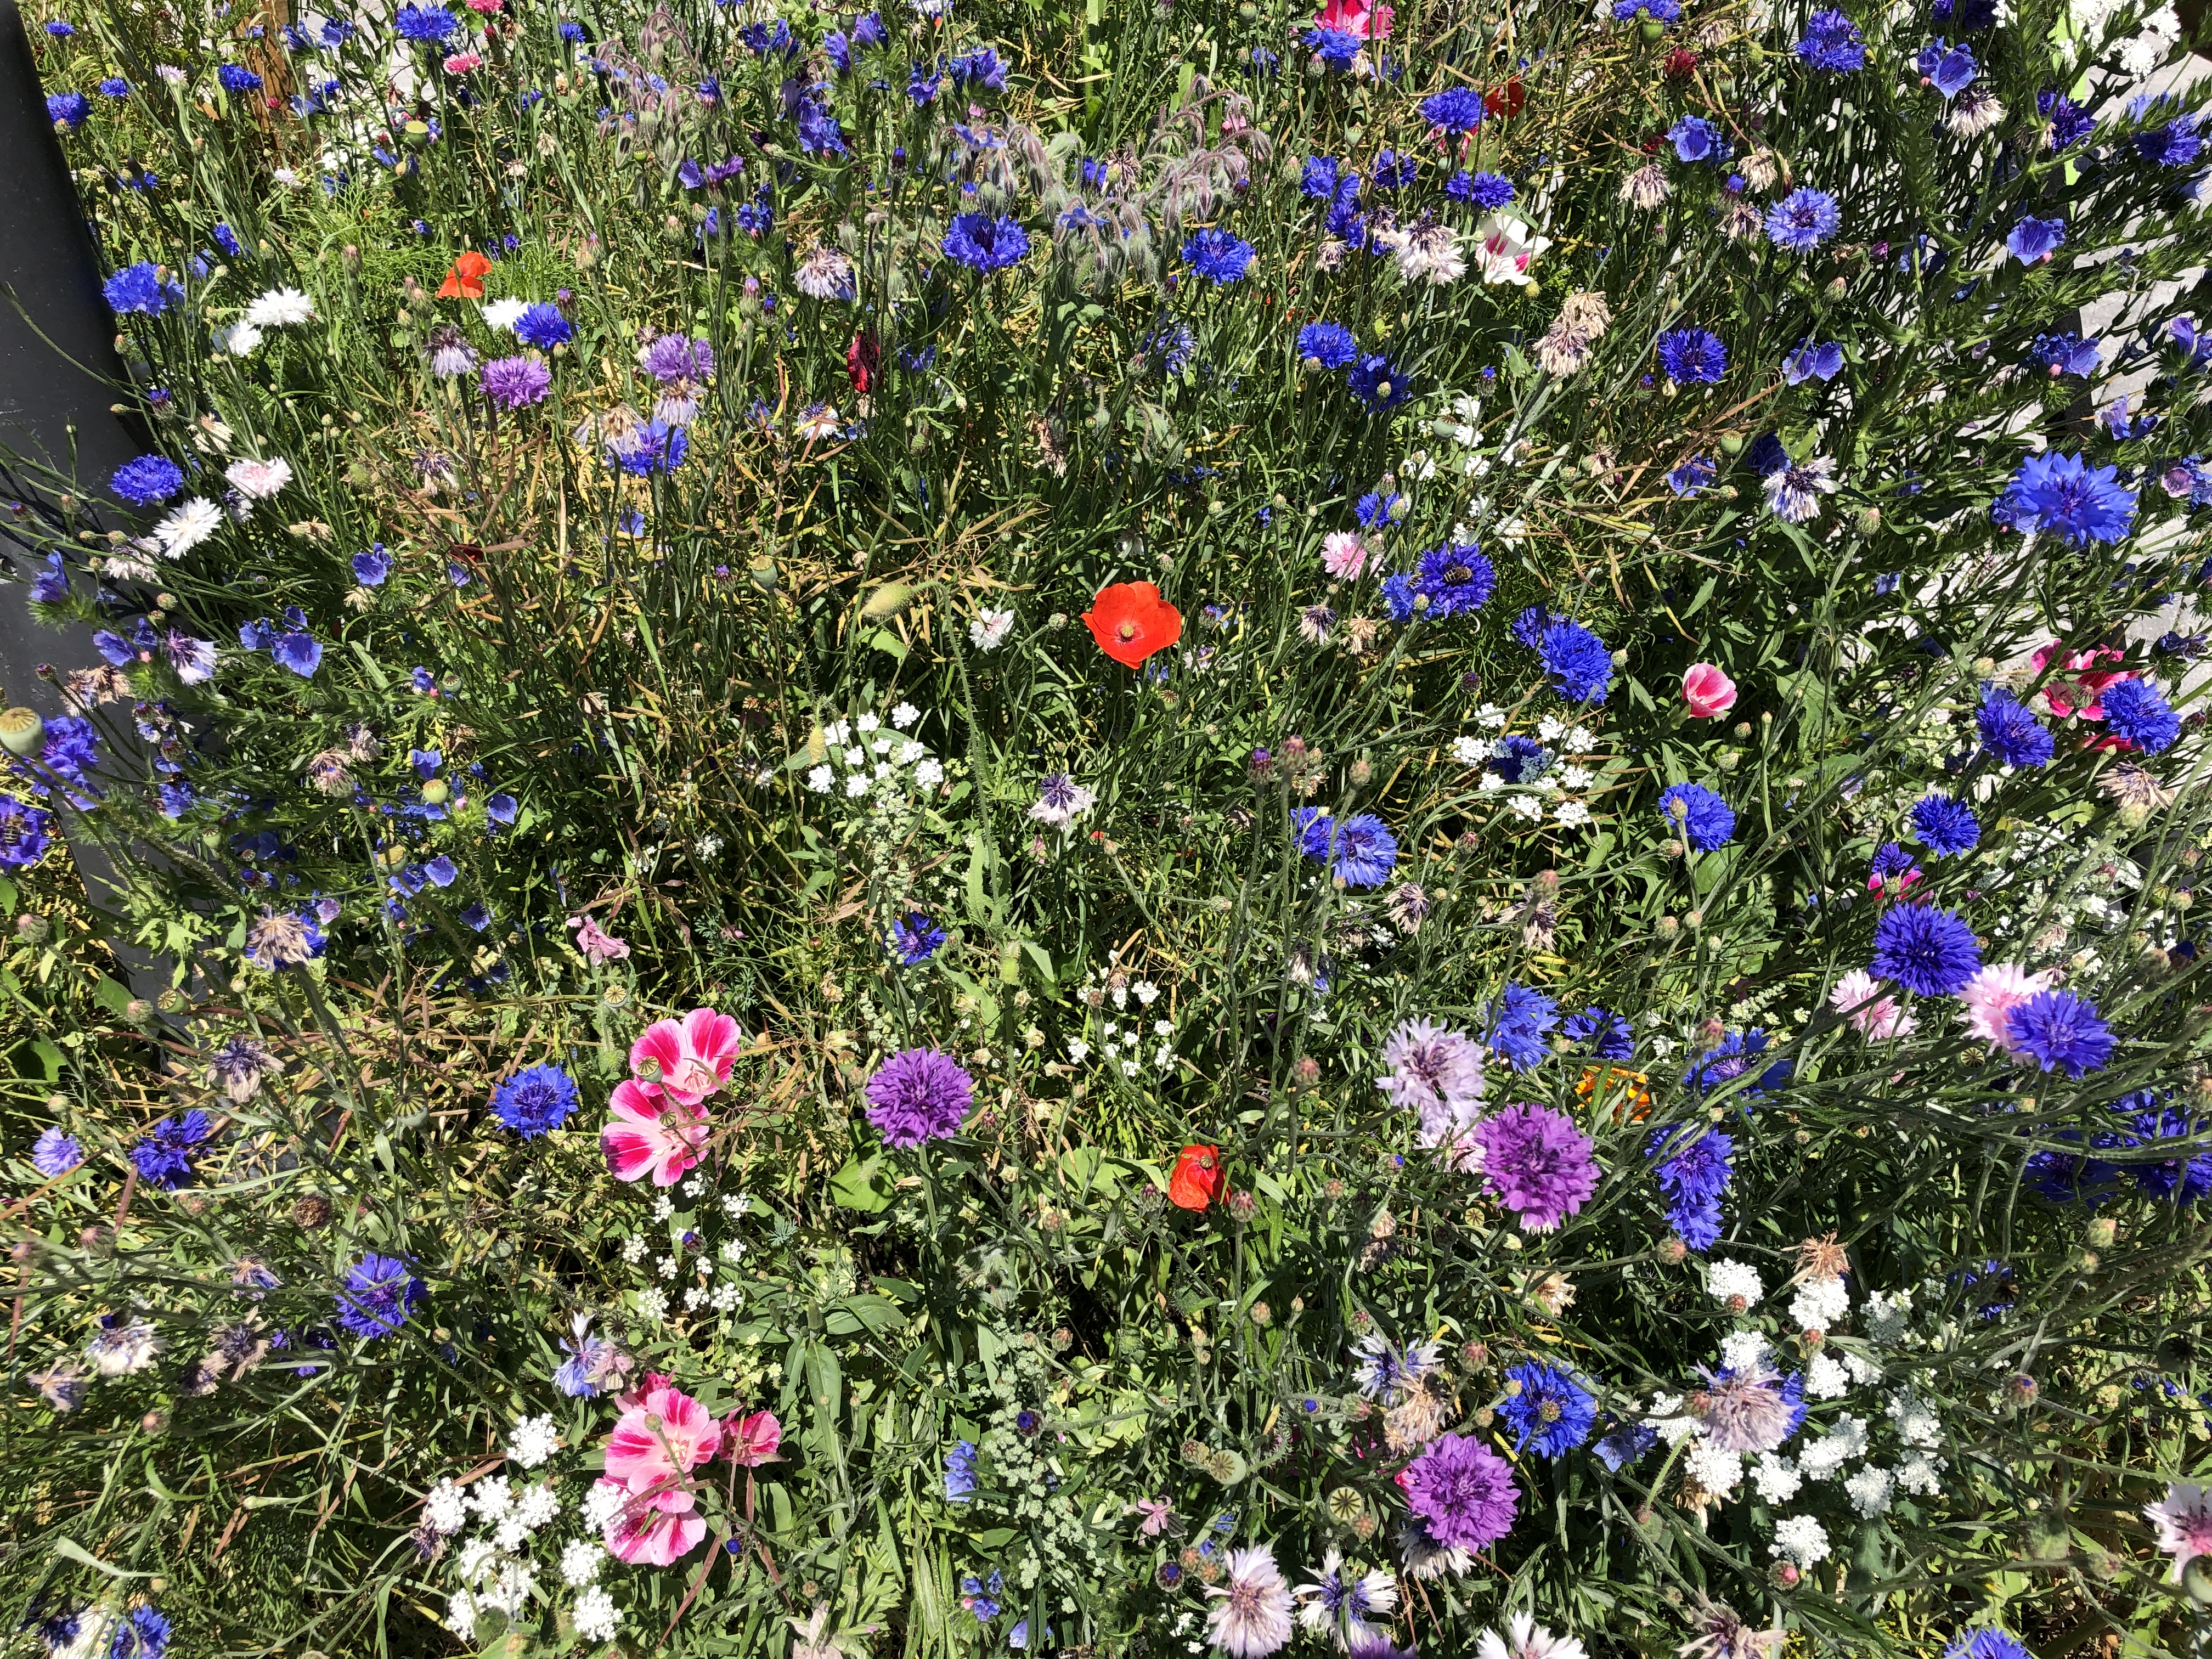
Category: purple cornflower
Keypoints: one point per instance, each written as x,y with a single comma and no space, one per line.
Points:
2010,730
674,357
2061,1031
1803,219
1693,356
164,1156
1540,1165
919,1094
380,1292
1462,1492
534,1100
1930,952
55,1153
515,382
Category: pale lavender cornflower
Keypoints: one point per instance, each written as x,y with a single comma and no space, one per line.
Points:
1251,1614
1794,492
1436,1072
1061,801
1743,1409
2184,1520
451,356
55,1153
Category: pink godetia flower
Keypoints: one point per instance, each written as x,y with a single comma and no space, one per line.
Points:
659,1439
1158,1513
750,1439
2078,690
1504,248
1858,994
1992,994
2184,1520
686,1060
484,5
599,947
1343,555
1359,18
651,1133
1708,692
462,61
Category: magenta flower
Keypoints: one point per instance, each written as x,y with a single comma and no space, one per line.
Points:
515,382
919,1094
1462,1492
1537,1161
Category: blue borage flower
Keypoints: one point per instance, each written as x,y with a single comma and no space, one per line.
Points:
2065,353
1359,851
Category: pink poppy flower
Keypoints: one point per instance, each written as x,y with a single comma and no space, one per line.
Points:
1992,994
597,945
694,1055
750,1441
1343,555
653,1529
2078,695
1356,17
661,1135
665,1436
1708,692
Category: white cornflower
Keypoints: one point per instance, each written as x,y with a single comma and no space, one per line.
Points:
824,273
905,715
989,628
186,527
531,1440
500,315
1776,1477
1250,1617
1800,1539
238,340
596,1618
1735,1283
820,779
1869,1491
281,308
445,1508
581,1560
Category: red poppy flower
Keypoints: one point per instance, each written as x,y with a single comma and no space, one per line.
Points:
1130,621
465,280
1507,100
863,359
1198,1179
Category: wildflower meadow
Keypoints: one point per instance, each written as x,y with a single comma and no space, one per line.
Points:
1138,829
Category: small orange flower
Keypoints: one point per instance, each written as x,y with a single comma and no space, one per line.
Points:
1633,1099
465,280
1130,621
1198,1178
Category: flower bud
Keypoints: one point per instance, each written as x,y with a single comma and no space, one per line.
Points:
2101,1232
1784,1575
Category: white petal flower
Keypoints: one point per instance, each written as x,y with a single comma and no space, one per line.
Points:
281,308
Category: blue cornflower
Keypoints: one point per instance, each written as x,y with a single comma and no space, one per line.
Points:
1377,511
2134,710
1604,1034
2060,1031
2010,730
983,243
2034,239
1376,383
1328,345
1488,191
115,87
1930,952
1455,578
430,24
572,31
1950,70
1359,851
535,1100
140,289
1660,11
55,1153
147,481
1216,255
2069,123
1731,1058
1766,456
2064,493
1696,139
1551,1412
380,1292
1518,1022
1335,47
236,78
656,446
1317,178
1692,475
370,568
1890,859
1580,666
1397,596
1833,43
72,747
960,1471
1944,826
2184,1177
164,1156
1813,363
1624,1444
915,938
1519,760
1456,109
1985,1642
1803,219
68,110
1694,1176
1693,356
140,1633
1701,817
61,30
543,326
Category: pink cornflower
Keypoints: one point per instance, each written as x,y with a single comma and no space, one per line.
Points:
2184,1520
462,61
693,1055
1992,994
1343,555
1857,993
597,945
651,1133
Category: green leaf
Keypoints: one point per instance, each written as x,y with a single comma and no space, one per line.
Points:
861,1186
69,1549
856,1314
50,1057
884,639
997,1539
